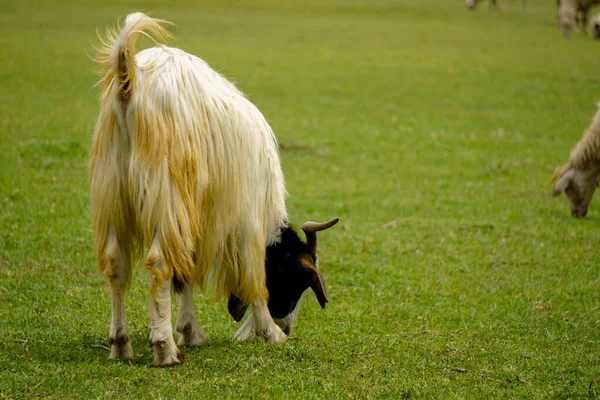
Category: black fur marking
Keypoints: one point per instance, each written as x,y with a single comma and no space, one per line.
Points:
120,340
178,284
286,278
236,307
187,329
160,343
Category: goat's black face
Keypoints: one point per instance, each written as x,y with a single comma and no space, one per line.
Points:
291,268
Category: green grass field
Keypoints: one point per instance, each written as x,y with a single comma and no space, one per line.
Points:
429,130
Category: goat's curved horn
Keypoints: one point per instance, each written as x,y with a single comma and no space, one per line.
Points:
318,226
311,228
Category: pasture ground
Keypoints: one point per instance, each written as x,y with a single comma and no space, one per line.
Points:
429,130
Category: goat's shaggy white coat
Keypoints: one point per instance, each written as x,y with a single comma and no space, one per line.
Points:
182,164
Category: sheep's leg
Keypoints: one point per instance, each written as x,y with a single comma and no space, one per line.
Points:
161,334
187,326
116,267
584,21
264,326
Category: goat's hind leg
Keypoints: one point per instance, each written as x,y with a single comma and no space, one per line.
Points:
161,340
189,330
115,264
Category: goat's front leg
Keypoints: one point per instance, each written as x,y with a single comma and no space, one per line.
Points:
161,334
116,267
264,327
187,326
256,295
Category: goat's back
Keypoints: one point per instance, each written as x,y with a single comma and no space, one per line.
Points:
200,170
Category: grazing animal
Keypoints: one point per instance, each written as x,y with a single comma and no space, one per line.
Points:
579,177
596,27
470,4
184,168
572,13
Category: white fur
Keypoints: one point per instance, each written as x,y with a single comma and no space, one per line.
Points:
118,325
287,323
260,324
187,326
183,164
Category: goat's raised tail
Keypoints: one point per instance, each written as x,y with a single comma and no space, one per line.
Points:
116,53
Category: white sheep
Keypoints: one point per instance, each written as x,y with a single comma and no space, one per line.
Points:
595,23
573,13
184,167
578,178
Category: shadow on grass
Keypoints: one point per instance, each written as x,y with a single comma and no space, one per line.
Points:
566,215
90,349
93,349
295,147
100,349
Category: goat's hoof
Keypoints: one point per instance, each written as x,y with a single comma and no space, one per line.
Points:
166,354
171,361
120,348
165,357
273,334
192,334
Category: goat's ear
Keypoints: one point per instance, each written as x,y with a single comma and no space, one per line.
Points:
236,307
563,182
316,280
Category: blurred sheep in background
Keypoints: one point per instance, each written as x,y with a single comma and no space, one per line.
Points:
578,178
470,4
572,13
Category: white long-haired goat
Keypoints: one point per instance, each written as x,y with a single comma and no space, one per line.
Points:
184,166
579,177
